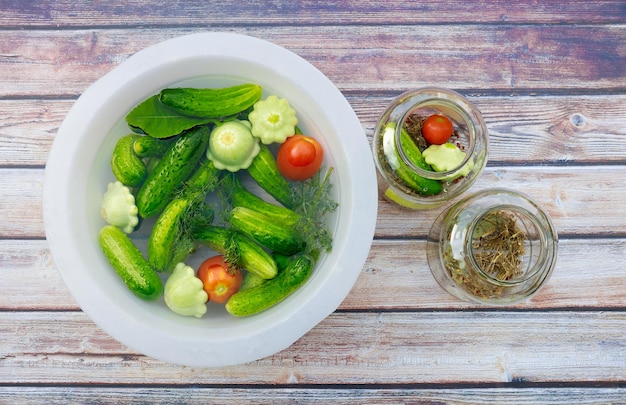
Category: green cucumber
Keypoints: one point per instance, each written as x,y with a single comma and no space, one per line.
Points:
129,263
252,257
275,236
182,250
151,163
281,261
204,178
253,300
212,102
147,146
176,165
127,167
417,183
166,232
251,280
184,211
264,171
242,197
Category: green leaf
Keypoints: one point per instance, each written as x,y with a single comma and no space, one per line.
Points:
159,121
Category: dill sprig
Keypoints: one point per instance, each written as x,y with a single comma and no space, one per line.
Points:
313,201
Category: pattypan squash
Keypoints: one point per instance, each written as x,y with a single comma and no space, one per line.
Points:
447,157
273,120
232,146
118,207
184,293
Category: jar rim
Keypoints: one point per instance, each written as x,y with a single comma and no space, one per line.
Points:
460,113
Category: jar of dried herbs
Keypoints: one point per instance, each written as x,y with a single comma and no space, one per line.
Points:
419,171
493,247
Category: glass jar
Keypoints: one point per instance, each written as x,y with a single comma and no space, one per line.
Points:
493,247
401,177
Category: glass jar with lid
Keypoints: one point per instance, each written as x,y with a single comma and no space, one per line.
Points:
494,247
405,173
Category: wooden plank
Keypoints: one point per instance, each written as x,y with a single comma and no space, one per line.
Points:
359,58
28,128
577,199
21,203
29,278
341,396
537,129
522,129
348,348
570,194
79,14
587,274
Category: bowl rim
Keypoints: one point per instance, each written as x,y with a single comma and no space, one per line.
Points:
361,219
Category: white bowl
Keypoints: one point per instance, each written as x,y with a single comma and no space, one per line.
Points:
78,171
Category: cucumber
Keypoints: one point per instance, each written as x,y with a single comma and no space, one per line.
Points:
151,163
253,300
182,212
129,263
166,233
183,249
212,102
252,257
275,236
176,165
242,197
204,178
251,280
417,183
127,167
147,146
264,171
281,261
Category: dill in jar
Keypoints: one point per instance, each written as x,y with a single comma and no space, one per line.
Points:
498,245
497,249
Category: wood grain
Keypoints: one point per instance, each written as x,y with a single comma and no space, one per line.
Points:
580,280
503,58
66,13
345,348
559,130
354,396
573,205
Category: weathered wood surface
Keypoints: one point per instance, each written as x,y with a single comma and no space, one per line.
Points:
364,58
68,13
550,79
358,348
580,279
560,130
298,395
582,200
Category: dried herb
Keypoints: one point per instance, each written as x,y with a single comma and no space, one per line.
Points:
413,126
497,248
498,245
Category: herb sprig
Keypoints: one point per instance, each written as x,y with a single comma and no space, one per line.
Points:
313,201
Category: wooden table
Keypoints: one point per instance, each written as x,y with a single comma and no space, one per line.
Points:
550,80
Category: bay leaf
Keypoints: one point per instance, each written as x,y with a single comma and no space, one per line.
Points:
154,118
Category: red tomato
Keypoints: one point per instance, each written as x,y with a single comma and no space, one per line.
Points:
437,129
299,157
218,283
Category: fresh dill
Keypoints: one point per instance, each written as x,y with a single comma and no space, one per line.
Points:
313,202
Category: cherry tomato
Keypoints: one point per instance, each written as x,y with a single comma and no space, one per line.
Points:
437,129
218,283
299,157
